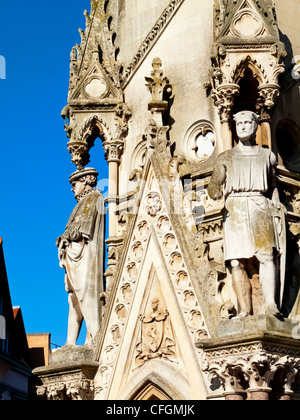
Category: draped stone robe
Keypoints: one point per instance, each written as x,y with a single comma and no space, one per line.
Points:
84,257
249,181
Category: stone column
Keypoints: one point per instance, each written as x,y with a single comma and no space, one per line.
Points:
114,150
223,97
260,394
267,96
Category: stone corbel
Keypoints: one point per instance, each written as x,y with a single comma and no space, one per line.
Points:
79,151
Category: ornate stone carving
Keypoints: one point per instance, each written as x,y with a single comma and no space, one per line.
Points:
113,150
122,117
79,151
154,204
157,84
262,220
224,97
199,141
155,218
81,250
69,376
251,367
157,337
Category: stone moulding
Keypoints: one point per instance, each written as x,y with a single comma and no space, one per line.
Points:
248,362
150,40
69,382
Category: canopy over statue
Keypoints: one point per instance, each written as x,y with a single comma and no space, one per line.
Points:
254,219
81,254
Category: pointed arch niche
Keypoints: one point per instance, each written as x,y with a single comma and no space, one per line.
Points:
151,392
156,380
252,80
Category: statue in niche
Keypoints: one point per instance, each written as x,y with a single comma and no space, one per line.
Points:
254,219
81,254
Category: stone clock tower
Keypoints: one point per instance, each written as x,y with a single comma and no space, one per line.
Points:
158,85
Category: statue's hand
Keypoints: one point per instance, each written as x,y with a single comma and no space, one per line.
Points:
58,241
86,238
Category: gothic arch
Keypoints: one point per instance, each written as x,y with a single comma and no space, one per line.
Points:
84,139
248,62
94,126
151,392
157,378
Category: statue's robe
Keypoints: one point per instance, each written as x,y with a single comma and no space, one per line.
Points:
84,258
248,220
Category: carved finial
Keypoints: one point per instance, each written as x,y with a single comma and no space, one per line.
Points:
158,85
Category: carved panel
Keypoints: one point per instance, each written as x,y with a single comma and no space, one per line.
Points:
152,215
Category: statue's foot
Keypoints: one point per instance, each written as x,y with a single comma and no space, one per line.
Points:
273,311
243,315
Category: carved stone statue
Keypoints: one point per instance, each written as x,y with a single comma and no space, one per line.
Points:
81,250
254,224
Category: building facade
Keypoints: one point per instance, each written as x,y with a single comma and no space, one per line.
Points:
157,84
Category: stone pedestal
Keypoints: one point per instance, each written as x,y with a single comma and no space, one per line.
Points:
255,355
69,376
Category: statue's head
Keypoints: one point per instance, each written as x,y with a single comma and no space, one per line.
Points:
83,181
246,125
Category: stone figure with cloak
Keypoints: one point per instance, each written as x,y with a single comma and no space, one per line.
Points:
254,218
81,254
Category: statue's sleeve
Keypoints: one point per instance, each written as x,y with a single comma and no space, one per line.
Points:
217,180
89,215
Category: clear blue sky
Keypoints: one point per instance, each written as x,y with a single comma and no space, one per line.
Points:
36,38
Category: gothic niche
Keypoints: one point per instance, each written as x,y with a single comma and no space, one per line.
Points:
288,143
79,149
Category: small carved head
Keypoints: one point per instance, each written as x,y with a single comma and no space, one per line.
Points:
83,181
246,125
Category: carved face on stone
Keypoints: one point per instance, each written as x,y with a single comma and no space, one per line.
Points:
246,125
78,188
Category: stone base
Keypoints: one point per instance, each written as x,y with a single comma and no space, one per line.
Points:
257,323
256,355
69,376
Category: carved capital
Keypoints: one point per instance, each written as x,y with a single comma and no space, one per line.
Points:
267,96
224,97
254,366
113,150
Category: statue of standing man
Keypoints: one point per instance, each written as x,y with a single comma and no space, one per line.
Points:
81,254
254,220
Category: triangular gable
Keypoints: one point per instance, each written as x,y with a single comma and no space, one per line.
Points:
248,22
153,273
96,85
